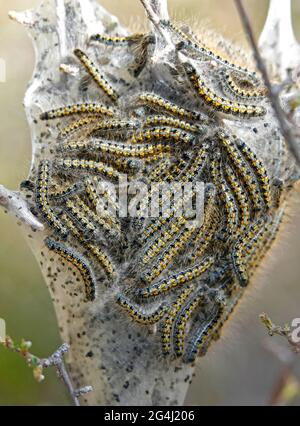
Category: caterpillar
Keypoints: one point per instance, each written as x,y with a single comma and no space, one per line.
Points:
138,314
169,254
227,198
202,334
76,125
64,193
204,236
178,279
163,120
96,75
79,263
92,250
183,318
66,164
117,40
241,198
204,50
196,166
226,106
162,133
246,92
158,102
89,221
172,313
114,126
42,199
117,149
259,171
84,108
243,247
244,172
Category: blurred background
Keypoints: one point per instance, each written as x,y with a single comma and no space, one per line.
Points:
239,369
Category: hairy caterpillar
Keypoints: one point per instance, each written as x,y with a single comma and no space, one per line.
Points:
79,263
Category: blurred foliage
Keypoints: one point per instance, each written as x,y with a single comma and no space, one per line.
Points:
238,370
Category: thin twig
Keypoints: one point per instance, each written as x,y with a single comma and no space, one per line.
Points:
55,360
13,202
283,331
157,12
150,13
288,355
272,92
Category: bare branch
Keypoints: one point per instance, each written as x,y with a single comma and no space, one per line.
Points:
55,360
83,391
157,12
24,18
272,92
13,202
283,331
287,386
277,43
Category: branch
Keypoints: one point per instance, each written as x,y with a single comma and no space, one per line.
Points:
272,92
157,12
287,386
13,202
24,18
283,331
55,360
277,42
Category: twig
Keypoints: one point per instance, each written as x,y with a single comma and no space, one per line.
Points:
287,385
283,331
157,12
272,92
55,360
22,18
277,43
83,391
13,202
